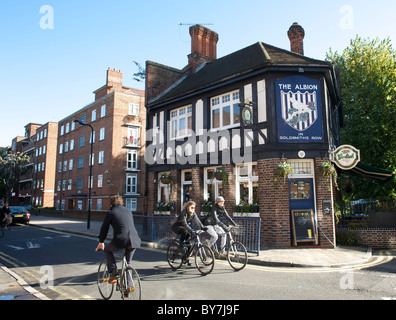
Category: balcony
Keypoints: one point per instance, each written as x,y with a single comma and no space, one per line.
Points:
131,142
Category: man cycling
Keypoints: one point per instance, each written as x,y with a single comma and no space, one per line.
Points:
125,235
215,226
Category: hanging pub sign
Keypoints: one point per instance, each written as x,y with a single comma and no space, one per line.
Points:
346,157
299,110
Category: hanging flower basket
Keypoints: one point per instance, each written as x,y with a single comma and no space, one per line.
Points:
167,179
327,170
282,171
221,174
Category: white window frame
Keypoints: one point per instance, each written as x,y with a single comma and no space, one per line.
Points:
102,134
177,117
93,116
166,188
131,204
101,157
131,183
133,136
229,99
133,109
100,180
249,179
103,111
207,181
132,160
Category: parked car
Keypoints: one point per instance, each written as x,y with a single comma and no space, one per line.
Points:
19,215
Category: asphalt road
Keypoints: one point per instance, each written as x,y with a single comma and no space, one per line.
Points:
63,267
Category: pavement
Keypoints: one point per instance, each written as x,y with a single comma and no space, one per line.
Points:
13,287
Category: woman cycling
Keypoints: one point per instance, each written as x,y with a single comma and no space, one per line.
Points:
182,224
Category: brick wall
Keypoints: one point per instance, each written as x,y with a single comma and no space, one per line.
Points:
377,238
274,207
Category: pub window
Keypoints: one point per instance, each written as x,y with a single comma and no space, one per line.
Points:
181,122
164,190
247,183
225,111
213,188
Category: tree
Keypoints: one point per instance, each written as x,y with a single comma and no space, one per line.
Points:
11,168
141,74
368,87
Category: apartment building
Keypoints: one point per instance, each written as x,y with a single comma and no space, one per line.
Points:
36,185
114,128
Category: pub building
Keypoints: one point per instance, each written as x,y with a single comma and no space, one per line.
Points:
235,126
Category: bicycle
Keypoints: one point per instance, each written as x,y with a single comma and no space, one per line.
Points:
4,226
128,283
236,252
178,253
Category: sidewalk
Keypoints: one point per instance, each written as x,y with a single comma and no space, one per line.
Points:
341,256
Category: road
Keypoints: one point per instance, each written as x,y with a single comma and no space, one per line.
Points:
63,267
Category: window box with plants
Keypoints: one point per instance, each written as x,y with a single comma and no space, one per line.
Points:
162,209
247,210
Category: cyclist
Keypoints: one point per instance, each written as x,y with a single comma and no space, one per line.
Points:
4,214
215,226
125,235
182,224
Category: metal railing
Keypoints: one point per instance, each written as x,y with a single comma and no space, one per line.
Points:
159,229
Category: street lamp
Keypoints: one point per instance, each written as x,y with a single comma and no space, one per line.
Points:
90,172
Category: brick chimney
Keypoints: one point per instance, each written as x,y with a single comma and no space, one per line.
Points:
203,46
296,35
113,83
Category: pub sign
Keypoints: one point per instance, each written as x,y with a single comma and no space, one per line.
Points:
299,110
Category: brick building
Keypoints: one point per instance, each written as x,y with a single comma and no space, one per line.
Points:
242,116
117,117
36,185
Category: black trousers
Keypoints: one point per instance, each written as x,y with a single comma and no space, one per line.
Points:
109,254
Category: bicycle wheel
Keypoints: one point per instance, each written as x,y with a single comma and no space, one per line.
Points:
174,255
204,259
130,285
105,288
237,255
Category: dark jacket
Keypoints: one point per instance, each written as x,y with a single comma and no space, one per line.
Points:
184,219
4,211
212,218
125,234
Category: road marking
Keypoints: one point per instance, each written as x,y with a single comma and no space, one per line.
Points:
12,261
24,284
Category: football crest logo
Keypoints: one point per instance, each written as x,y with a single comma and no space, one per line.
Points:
299,109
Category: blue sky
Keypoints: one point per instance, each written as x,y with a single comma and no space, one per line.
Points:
47,74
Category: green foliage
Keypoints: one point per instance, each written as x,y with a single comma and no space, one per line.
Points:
12,166
348,238
368,87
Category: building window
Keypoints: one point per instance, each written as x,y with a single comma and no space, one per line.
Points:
133,109
65,165
64,185
181,122
73,126
131,183
132,156
92,137
72,144
79,204
133,136
90,181
102,134
60,166
79,184
213,188
44,149
58,187
80,162
100,180
247,183
70,164
131,204
61,148
67,128
69,184
225,111
93,117
101,156
103,111
81,141
62,130
45,133
164,190
98,204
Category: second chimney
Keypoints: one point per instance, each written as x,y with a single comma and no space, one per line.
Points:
296,35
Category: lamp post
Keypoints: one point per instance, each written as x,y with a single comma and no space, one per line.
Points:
90,172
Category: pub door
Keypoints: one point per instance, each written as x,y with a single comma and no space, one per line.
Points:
302,197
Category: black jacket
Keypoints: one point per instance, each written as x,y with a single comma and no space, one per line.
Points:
125,234
184,219
212,218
